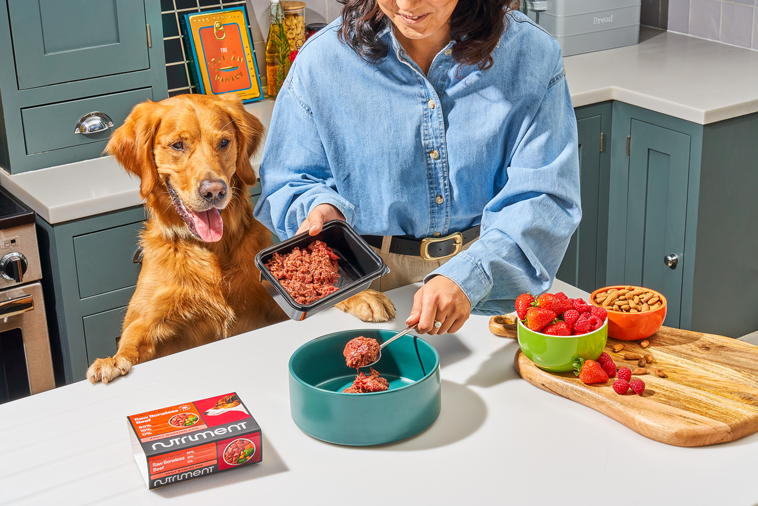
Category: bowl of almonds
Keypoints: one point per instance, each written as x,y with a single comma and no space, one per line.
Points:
634,312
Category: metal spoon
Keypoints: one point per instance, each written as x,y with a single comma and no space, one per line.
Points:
388,341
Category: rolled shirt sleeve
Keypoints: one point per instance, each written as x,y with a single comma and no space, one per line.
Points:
527,226
295,172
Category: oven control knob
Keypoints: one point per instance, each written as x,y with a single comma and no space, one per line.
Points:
13,266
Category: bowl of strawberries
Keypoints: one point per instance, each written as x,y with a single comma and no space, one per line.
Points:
554,331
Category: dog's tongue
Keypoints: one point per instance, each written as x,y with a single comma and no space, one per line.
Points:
209,225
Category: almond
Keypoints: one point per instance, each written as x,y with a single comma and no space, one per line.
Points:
639,371
661,374
642,362
649,358
632,356
618,347
645,343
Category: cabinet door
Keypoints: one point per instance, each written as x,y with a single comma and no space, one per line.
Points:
659,162
584,263
57,41
102,332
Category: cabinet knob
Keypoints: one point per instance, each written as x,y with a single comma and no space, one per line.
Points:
93,122
13,266
671,260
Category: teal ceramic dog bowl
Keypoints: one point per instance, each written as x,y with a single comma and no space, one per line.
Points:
557,353
318,375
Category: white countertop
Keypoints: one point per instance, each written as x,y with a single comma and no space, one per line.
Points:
498,440
682,76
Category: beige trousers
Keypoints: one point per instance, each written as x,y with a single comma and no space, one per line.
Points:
404,269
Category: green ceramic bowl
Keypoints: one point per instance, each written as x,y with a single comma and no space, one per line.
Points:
557,353
318,375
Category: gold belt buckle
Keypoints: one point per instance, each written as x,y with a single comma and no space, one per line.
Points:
456,236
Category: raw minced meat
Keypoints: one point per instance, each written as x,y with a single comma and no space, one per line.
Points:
366,384
307,274
361,351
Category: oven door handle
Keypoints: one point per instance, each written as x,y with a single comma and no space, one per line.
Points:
13,307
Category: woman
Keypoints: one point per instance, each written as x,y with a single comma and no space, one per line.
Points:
419,119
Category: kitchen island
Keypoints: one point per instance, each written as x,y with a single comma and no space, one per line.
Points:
498,440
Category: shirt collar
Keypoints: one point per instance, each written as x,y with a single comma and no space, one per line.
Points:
387,32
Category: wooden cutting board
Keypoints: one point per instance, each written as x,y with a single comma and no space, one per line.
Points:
710,395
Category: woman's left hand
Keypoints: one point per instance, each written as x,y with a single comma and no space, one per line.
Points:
439,300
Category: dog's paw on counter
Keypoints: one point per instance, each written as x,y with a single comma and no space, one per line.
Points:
108,369
369,306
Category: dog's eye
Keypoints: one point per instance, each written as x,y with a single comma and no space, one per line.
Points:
224,143
179,146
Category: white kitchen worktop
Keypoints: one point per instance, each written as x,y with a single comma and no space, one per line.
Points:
678,75
498,440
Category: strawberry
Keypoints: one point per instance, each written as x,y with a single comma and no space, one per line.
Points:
561,296
571,316
603,358
599,312
551,302
609,368
558,329
523,302
582,326
621,386
590,371
637,385
537,318
625,373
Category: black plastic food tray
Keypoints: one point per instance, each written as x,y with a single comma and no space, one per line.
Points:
359,265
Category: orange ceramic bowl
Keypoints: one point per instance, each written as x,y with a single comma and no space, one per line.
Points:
632,326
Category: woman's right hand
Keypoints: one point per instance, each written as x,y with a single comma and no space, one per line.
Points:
316,219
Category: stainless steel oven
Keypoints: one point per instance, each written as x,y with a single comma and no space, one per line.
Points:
25,363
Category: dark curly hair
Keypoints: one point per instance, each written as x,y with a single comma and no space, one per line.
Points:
475,25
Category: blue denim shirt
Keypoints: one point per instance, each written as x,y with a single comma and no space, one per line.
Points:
381,142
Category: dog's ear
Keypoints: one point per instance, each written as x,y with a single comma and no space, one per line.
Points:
249,132
132,144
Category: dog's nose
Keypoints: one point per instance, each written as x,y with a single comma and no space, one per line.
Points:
212,190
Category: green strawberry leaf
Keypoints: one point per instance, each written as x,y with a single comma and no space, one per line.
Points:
578,364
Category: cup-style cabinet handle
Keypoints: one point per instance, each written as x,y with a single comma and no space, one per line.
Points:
671,260
137,259
93,122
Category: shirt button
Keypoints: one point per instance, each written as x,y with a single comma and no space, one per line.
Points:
437,234
434,154
431,104
448,52
439,200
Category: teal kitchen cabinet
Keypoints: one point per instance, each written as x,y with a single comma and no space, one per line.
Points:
70,73
584,264
682,216
89,272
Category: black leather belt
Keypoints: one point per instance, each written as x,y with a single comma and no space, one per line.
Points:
430,248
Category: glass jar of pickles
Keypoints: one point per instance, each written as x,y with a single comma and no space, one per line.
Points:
294,23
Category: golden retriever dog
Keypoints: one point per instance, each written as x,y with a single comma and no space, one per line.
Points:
198,281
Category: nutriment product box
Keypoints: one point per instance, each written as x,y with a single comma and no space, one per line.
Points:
194,439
